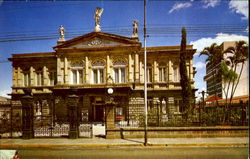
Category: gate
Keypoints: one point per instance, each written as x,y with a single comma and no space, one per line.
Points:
45,122
45,127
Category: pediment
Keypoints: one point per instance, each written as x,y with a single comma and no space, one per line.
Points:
98,40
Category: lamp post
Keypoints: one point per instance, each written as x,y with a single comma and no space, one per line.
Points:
145,77
203,104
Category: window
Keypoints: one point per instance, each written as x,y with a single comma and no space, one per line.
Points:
162,72
119,71
52,78
26,80
98,72
77,73
39,78
149,73
176,74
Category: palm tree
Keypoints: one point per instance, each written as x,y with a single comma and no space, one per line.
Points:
239,57
214,57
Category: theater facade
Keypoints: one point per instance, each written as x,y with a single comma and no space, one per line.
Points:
94,67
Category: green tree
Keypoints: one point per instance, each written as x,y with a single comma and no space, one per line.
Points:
235,60
185,82
214,56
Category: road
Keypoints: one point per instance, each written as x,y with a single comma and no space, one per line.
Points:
137,153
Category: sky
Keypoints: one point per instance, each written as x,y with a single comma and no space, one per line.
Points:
29,26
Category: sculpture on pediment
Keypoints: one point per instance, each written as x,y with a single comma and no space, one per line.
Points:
135,29
62,33
98,13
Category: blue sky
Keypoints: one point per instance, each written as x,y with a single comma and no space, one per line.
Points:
206,21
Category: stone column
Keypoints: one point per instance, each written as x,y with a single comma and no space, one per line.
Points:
87,70
59,73
45,76
130,70
66,76
110,120
108,67
155,72
137,69
27,115
73,116
19,77
14,76
32,76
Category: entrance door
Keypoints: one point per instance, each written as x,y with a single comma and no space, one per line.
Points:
99,113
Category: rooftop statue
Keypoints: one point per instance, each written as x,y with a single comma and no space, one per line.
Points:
98,13
62,33
135,29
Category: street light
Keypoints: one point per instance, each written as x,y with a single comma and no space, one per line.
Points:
203,104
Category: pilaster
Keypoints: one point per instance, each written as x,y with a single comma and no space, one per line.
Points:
108,67
87,69
137,68
14,76
59,72
19,77
45,76
66,75
32,76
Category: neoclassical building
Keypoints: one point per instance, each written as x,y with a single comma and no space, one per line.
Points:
91,64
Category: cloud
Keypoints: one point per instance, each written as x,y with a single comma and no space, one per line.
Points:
199,65
200,44
210,3
240,7
179,6
4,93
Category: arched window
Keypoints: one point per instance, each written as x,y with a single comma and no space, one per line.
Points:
149,72
176,73
98,72
77,73
162,72
119,71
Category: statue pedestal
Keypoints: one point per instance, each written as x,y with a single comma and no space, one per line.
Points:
97,28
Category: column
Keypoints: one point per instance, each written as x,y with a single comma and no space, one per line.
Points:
137,69
59,73
32,76
110,120
141,78
66,79
191,70
155,72
73,116
87,70
19,77
27,115
130,70
45,76
108,67
14,76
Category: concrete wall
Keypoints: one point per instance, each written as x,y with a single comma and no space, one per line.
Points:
178,132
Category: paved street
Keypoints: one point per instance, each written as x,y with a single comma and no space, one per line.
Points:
136,153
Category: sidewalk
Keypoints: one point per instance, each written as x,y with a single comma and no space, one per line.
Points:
106,143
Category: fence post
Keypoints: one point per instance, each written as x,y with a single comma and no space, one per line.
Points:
27,115
73,116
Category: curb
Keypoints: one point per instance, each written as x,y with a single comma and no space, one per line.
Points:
125,145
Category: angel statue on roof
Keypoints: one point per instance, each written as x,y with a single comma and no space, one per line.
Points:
98,13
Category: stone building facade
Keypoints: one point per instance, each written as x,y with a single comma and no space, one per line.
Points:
94,62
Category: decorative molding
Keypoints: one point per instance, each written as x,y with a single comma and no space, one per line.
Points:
95,42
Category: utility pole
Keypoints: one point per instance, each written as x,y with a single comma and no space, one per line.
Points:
145,77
